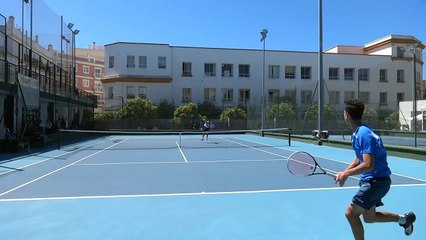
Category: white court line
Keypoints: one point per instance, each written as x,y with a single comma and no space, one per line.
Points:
181,152
57,170
279,155
192,162
49,158
195,193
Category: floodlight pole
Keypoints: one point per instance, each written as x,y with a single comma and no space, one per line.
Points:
6,65
320,75
413,51
263,39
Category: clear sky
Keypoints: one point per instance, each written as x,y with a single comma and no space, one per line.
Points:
292,24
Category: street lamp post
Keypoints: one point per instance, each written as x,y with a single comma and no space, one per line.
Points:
413,51
73,62
6,65
264,32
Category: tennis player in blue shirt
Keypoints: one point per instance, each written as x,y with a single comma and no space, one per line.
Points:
371,163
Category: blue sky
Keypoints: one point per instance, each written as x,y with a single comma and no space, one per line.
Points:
292,24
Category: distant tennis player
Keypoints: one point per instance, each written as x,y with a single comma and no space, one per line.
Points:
371,162
206,128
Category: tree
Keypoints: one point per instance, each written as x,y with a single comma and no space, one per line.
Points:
165,110
233,113
282,110
209,110
138,108
312,112
185,112
392,121
370,111
102,115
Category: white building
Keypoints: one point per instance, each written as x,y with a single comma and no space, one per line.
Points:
380,73
406,118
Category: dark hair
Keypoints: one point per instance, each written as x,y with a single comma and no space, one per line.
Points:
355,108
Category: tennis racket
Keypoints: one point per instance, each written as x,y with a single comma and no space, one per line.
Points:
304,164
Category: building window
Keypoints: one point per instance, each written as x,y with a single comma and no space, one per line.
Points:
210,95
333,73
383,98
274,71
306,96
186,69
273,95
305,72
210,69
142,92
290,95
244,70
86,83
365,97
349,95
110,92
244,96
86,69
226,70
162,62
334,97
400,96
131,92
383,75
98,86
400,52
130,61
98,73
290,72
400,75
142,62
363,74
111,61
227,95
186,95
349,74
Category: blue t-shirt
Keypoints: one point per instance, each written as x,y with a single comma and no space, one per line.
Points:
365,141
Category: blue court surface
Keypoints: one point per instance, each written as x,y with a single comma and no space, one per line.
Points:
229,187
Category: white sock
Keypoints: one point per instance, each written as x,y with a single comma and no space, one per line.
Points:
402,219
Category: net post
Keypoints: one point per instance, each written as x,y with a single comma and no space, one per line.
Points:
289,136
58,138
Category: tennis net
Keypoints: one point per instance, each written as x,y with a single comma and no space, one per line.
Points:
135,140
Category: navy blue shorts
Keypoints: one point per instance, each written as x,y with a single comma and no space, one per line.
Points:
371,192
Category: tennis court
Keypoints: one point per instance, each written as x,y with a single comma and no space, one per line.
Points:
175,186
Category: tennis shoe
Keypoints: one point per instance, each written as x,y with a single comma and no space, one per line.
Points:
408,226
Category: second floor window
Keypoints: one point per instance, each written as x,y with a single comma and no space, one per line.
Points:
349,74
273,71
333,73
86,69
143,62
162,62
305,72
363,74
186,69
111,62
130,61
400,75
226,70
210,69
244,70
383,75
290,72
